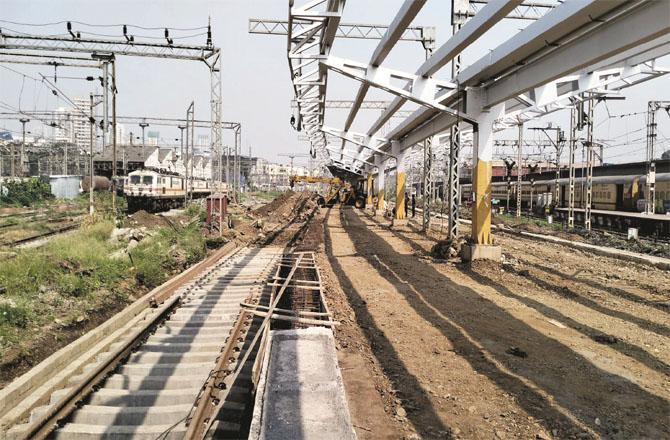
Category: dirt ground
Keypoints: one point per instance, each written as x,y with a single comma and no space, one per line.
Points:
555,343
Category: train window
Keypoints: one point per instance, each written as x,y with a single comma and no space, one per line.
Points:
147,180
135,179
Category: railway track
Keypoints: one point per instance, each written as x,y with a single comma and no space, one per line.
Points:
186,369
148,384
36,237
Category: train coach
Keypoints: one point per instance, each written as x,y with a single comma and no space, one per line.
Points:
616,203
155,191
611,193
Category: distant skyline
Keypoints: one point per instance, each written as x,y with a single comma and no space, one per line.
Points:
256,87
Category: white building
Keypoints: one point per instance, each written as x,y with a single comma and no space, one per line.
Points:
81,128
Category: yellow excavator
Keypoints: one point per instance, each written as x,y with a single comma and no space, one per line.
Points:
338,191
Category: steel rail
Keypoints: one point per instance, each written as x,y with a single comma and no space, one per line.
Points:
47,422
203,417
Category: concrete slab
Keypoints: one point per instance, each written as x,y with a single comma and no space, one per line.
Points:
481,252
399,222
300,394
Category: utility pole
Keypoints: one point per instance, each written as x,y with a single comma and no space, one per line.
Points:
143,125
23,121
105,104
558,145
519,170
114,170
575,113
453,193
187,165
90,152
181,137
532,189
589,165
425,184
125,157
652,108
192,146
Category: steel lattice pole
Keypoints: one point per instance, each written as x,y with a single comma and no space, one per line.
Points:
589,166
454,153
519,171
574,115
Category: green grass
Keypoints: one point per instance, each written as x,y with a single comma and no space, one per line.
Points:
74,274
167,253
27,192
263,195
525,220
102,203
72,267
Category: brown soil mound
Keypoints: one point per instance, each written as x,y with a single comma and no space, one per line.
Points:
282,205
143,218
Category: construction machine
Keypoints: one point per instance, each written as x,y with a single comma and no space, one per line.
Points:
337,191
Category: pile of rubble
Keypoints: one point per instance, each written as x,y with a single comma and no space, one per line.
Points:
131,237
448,248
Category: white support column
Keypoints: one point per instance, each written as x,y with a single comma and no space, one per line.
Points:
482,241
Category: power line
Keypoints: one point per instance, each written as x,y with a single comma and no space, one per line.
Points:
65,96
104,25
19,73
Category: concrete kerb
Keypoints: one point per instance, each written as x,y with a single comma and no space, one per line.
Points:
658,262
50,374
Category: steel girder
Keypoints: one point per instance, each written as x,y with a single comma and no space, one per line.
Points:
405,16
469,32
359,139
560,94
528,10
118,47
346,104
632,25
209,54
44,60
580,26
311,31
422,34
423,91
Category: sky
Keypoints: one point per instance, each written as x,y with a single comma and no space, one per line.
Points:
256,84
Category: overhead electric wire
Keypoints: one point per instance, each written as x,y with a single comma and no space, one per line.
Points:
146,28
16,110
83,112
20,73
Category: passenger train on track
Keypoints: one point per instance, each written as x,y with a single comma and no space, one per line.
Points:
617,201
611,193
